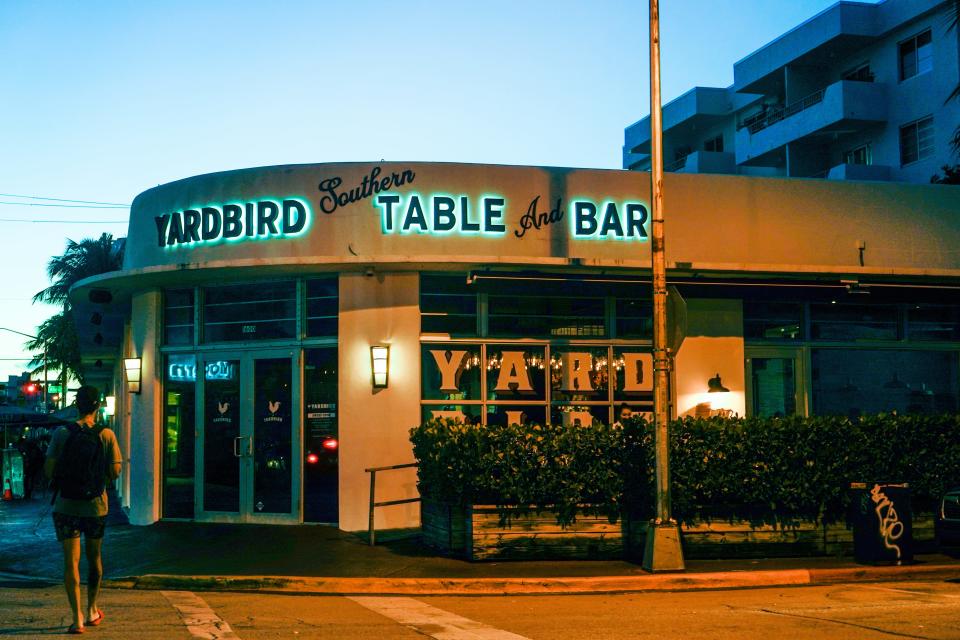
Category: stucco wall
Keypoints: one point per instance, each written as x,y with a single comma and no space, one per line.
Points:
145,433
374,424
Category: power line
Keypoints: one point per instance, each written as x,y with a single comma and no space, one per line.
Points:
66,206
63,221
14,195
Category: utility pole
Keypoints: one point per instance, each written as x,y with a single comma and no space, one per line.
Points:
662,551
45,408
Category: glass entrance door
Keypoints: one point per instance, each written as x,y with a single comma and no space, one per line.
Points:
249,437
776,382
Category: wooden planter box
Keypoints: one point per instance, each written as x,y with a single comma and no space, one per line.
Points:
474,532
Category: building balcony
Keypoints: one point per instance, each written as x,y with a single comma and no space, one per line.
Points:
840,106
704,162
877,172
685,117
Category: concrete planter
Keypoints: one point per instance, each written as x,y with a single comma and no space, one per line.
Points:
474,532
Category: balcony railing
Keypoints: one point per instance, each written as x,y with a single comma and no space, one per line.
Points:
677,164
762,120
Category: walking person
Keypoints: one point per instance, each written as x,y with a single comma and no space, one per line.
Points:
81,459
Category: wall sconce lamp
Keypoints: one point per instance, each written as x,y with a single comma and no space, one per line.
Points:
714,385
110,406
380,366
132,368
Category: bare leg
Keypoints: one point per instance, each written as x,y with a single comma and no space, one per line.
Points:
71,576
94,575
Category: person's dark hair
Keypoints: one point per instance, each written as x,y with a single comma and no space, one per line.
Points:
88,400
622,406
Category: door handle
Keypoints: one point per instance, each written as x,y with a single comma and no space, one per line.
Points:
236,450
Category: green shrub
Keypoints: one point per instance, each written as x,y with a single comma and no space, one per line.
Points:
765,470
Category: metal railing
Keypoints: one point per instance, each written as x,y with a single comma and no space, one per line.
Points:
678,164
371,531
761,121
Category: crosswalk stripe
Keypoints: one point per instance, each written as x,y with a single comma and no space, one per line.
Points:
198,617
432,621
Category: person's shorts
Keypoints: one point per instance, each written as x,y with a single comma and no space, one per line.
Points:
68,526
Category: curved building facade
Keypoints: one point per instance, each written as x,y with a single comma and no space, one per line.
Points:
250,303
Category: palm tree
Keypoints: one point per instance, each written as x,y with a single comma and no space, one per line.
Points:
57,334
81,260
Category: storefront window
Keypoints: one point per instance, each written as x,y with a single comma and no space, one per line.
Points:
772,320
448,306
321,441
933,322
539,316
516,373
579,374
773,388
323,307
451,372
178,317
505,414
634,319
179,419
258,311
842,321
469,413
864,381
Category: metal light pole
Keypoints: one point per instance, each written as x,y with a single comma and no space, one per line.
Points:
21,333
662,551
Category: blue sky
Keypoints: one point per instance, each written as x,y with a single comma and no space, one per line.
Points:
102,100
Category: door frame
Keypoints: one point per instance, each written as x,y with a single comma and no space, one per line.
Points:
247,430
801,375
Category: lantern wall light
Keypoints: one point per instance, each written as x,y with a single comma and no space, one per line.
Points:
132,368
380,366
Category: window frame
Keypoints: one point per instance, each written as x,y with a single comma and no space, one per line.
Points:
915,125
914,40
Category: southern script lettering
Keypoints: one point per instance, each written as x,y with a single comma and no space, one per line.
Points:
370,185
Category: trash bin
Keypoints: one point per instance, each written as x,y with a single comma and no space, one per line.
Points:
882,522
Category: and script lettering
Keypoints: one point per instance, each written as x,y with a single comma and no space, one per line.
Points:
534,220
371,184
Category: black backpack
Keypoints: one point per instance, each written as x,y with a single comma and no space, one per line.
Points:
81,471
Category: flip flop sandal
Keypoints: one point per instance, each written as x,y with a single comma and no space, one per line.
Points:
74,629
96,621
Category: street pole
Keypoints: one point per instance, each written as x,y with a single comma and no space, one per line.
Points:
662,551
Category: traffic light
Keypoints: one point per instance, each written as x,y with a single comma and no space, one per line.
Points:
31,388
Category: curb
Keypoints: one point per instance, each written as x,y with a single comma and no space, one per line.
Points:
535,586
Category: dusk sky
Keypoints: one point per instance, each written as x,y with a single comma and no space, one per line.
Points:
102,100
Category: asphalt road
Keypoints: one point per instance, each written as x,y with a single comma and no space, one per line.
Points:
881,610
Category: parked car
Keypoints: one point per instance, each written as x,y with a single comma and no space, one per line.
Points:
948,518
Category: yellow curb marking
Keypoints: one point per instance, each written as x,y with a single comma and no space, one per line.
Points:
198,617
432,621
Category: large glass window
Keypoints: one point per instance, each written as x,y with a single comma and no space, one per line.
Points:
540,316
323,307
772,320
933,322
320,436
255,311
916,55
844,321
179,421
864,381
178,317
448,306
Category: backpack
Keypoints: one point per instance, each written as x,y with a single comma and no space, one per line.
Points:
82,466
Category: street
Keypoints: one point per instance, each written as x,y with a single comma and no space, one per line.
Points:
879,610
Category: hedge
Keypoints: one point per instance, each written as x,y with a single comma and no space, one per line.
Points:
769,470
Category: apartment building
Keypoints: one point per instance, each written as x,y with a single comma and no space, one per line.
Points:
858,92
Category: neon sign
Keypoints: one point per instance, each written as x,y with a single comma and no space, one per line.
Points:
219,370
267,218
442,213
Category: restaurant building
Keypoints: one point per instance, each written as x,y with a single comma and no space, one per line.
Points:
242,338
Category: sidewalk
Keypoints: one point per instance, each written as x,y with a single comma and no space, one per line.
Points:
318,559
